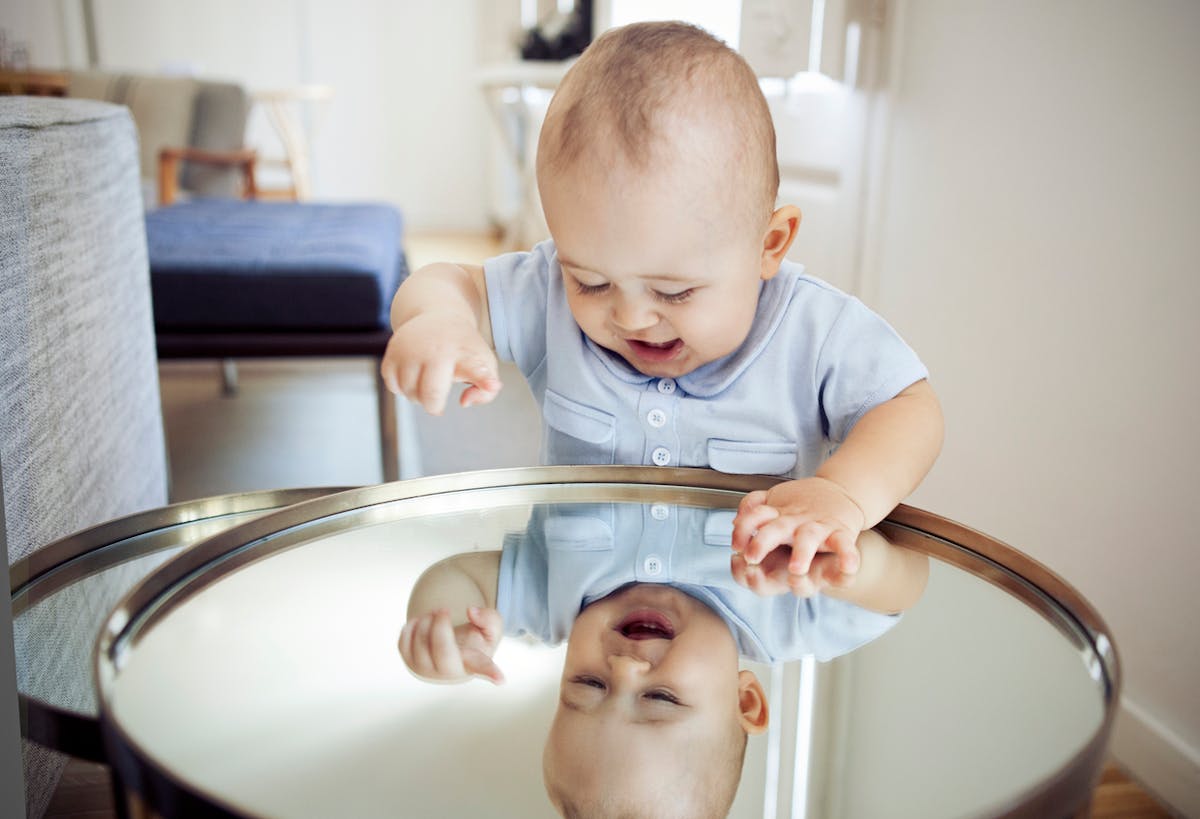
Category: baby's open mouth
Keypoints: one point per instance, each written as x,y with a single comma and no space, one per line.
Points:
646,624
656,350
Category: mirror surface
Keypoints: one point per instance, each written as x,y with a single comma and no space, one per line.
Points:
57,616
278,686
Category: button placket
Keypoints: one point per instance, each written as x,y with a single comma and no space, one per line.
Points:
657,411
657,543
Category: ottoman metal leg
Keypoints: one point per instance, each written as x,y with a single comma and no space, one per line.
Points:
389,441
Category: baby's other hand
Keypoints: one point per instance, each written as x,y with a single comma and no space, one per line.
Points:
771,577
811,515
429,353
436,651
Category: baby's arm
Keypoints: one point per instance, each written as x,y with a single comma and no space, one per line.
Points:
433,645
890,579
441,335
881,461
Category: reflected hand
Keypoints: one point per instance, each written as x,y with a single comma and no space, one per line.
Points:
772,577
437,651
806,517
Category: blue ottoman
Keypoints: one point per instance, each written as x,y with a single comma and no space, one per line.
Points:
245,279
234,265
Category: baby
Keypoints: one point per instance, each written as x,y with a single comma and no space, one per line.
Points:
653,713
662,324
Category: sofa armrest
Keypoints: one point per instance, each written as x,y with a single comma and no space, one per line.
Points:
168,169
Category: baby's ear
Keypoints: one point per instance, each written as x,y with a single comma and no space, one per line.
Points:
752,703
781,232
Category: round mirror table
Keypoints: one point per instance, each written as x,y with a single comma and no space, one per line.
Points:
269,670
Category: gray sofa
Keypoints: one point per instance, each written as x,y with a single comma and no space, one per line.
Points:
81,436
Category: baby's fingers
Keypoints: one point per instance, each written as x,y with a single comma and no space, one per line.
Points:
480,375
443,647
487,622
752,500
406,640
845,545
414,645
481,665
475,395
746,527
757,578
433,386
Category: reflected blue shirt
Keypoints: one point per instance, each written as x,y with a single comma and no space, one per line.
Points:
571,555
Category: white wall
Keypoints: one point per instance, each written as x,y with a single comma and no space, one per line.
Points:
1038,248
403,126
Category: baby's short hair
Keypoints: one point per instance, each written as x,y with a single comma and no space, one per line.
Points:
635,83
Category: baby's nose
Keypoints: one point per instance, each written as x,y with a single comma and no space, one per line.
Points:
626,667
631,315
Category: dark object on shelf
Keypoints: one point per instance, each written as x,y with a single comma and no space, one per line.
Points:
560,36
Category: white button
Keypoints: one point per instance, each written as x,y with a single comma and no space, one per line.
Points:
661,456
659,511
656,418
666,386
653,565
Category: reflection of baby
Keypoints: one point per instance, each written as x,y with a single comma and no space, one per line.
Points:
653,713
652,706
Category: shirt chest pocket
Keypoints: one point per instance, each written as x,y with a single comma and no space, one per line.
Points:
576,433
752,457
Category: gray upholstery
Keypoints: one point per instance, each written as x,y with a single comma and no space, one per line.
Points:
81,437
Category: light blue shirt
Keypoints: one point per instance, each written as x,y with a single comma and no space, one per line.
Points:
571,555
815,361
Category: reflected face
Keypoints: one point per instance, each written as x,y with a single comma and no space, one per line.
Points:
649,700
655,267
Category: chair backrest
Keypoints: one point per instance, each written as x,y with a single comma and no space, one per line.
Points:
81,435
218,124
176,112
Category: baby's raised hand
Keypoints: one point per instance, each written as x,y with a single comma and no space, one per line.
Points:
810,515
429,353
436,651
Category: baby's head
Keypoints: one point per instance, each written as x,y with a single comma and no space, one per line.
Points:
658,176
653,713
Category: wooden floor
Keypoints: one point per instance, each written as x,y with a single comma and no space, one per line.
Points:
1119,797
84,793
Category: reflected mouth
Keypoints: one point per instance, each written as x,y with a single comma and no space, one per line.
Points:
646,624
656,350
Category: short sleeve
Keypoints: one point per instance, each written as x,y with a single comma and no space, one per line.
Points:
829,627
517,291
521,587
863,363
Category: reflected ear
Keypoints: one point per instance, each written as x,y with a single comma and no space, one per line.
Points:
781,232
752,703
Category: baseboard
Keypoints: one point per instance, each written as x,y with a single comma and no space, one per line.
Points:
1157,758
